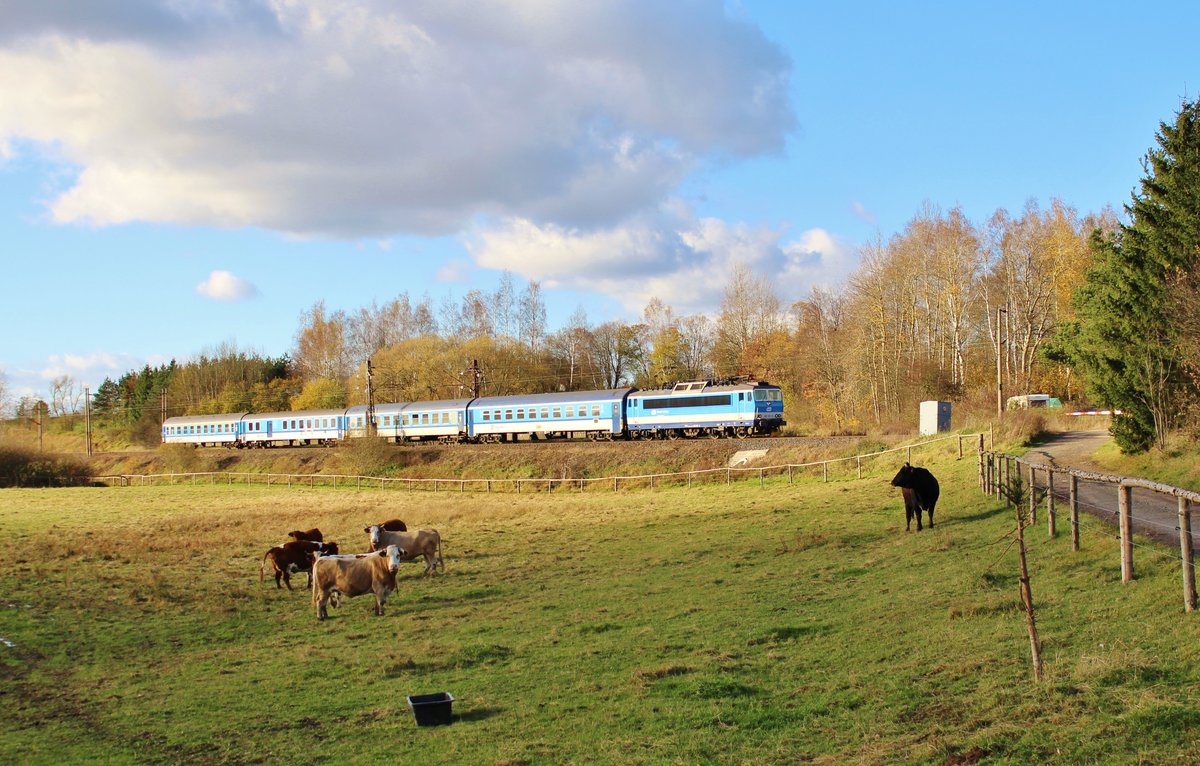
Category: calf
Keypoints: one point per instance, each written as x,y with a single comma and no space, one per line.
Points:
335,576
296,556
422,542
920,490
313,534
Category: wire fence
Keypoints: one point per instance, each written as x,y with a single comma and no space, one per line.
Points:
830,469
1153,514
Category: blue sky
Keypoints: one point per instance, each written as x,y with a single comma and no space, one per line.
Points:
177,174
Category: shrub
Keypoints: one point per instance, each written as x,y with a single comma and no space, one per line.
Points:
21,467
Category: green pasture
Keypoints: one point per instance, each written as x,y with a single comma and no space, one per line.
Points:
722,624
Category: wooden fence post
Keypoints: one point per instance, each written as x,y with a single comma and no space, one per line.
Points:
1074,512
1050,515
1185,548
1032,498
860,467
1124,501
825,471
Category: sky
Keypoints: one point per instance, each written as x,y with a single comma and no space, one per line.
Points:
176,175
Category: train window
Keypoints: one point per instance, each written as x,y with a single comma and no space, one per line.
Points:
508,414
520,414
557,413
570,412
545,412
595,410
487,415
424,418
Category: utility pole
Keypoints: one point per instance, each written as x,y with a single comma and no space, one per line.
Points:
40,411
370,400
87,418
1000,346
476,376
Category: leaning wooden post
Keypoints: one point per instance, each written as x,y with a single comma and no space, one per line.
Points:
1033,500
1185,548
1124,501
1035,646
1032,495
1074,512
1051,521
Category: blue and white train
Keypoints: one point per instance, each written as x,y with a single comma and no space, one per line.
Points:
690,410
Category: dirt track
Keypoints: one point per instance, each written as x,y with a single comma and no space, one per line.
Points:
1154,515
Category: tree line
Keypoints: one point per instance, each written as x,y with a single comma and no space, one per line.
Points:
1091,307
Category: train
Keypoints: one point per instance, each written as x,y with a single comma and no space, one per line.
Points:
689,409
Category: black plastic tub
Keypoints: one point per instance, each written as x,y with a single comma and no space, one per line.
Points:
431,709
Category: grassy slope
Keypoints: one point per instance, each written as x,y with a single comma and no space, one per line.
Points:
716,625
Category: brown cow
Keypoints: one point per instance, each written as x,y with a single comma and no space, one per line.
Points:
391,525
313,534
335,576
422,542
293,557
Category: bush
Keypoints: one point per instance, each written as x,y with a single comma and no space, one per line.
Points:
364,457
26,468
183,458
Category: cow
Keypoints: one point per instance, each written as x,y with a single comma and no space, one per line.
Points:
422,542
920,490
313,534
337,576
392,525
292,557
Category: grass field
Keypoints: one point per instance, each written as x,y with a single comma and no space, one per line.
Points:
723,624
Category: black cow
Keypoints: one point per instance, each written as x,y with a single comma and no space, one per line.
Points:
920,491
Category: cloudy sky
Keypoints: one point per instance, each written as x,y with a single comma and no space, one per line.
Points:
176,174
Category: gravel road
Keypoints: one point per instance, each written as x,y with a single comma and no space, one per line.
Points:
1154,515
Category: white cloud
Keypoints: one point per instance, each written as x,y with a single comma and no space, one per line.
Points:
365,119
683,260
454,270
226,287
860,210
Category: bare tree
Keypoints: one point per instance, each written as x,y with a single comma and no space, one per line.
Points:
531,320
4,395
616,351
65,395
503,303
570,344
749,312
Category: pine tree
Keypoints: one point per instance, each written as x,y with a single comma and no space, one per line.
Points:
1128,344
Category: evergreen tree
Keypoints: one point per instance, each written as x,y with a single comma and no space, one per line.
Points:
1127,344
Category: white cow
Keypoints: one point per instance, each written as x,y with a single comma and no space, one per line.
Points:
422,542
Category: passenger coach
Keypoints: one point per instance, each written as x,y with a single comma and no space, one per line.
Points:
595,414
203,430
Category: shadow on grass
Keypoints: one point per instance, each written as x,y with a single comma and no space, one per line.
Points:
481,714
